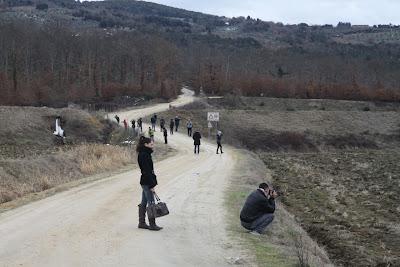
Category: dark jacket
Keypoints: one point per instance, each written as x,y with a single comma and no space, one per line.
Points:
165,132
171,124
219,138
146,167
256,205
196,138
177,120
153,120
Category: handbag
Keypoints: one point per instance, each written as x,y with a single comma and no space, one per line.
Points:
157,209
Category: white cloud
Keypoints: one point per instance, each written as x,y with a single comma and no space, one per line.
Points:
295,11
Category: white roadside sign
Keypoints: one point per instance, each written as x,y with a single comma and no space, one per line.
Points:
213,116
209,125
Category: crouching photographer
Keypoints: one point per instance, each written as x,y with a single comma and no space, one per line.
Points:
258,210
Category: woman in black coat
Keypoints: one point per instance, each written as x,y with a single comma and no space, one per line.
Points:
196,139
148,181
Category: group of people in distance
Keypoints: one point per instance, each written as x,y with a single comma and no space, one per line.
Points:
137,127
139,123
174,126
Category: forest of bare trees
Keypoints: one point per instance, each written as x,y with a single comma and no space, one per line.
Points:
333,71
53,65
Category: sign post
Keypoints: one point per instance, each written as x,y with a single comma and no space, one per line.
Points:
212,117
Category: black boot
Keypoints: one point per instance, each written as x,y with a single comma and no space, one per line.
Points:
153,225
142,217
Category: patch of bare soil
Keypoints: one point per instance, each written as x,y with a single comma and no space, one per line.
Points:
348,201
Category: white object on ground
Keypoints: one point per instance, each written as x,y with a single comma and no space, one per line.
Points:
59,131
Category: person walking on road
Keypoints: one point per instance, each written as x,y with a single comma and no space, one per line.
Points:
189,126
153,121
196,138
148,181
171,126
117,118
219,139
133,122
177,121
140,124
162,124
258,210
125,125
151,134
165,135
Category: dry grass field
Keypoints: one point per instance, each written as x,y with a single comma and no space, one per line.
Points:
31,162
334,162
35,174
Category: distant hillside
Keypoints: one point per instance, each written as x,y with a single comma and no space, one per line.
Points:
55,51
134,15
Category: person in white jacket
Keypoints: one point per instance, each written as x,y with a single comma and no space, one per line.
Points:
189,126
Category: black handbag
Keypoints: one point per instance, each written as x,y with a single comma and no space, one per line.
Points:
157,209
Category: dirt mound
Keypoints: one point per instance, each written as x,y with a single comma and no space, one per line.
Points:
29,130
30,161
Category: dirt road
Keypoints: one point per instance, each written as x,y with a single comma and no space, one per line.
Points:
96,224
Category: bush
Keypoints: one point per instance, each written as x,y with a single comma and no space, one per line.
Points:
276,141
350,141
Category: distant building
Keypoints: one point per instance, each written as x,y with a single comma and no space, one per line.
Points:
360,27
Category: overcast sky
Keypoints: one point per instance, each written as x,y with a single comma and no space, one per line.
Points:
295,11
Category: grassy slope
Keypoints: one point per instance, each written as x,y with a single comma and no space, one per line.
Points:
30,162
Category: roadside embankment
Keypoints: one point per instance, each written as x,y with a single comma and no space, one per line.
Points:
32,162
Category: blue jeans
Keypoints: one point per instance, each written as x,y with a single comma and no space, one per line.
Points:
260,223
147,196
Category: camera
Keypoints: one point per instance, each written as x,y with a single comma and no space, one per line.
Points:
273,191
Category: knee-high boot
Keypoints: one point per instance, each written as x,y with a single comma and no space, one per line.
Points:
142,217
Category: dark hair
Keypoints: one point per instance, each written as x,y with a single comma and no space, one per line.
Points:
142,141
263,186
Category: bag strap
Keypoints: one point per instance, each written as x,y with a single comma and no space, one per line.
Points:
156,196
